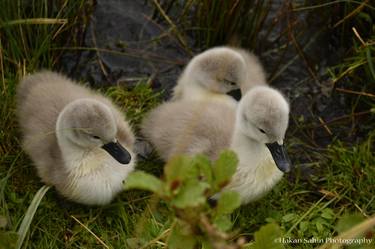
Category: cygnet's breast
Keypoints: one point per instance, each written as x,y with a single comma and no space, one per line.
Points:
255,176
96,177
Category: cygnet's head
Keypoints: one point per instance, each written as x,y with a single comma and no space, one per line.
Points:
218,70
87,124
263,116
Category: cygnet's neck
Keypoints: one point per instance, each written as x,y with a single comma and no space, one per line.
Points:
70,151
256,172
247,149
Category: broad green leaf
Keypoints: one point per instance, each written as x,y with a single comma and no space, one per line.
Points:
348,221
190,195
180,239
319,226
303,226
289,217
223,222
228,202
204,168
224,168
144,181
267,237
328,213
177,170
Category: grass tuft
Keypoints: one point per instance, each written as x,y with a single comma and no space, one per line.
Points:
29,215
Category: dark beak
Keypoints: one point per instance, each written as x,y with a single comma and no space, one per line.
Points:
280,156
118,152
236,94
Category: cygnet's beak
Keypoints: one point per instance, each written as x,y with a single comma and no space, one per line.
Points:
235,93
118,152
280,156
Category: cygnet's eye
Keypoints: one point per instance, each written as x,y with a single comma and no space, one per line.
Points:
262,131
95,137
229,82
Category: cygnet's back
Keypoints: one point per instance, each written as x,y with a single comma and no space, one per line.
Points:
42,96
255,74
190,127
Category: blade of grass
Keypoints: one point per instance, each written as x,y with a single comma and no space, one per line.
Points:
174,28
91,232
369,61
36,21
25,225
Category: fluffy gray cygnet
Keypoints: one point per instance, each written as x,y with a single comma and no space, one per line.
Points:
215,72
78,140
255,130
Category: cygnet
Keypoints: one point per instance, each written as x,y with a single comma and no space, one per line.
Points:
254,130
79,141
211,75
215,72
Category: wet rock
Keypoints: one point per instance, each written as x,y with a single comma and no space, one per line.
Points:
128,45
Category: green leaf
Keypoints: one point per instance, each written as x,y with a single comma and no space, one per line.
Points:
181,239
191,195
223,222
303,226
319,226
228,202
267,237
348,221
224,168
289,217
177,170
144,181
328,214
203,167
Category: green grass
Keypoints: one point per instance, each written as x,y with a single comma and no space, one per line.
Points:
344,173
312,209
214,23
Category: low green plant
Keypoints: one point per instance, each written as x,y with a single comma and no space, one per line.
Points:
135,102
185,188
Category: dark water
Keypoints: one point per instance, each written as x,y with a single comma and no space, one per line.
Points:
142,49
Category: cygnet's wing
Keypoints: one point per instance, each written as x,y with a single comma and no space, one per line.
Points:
189,127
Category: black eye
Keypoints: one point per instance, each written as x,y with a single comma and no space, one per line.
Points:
96,137
261,130
232,83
